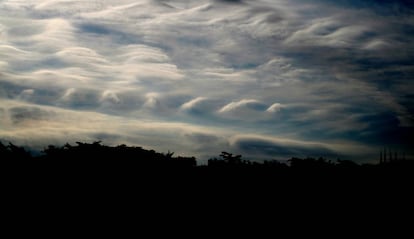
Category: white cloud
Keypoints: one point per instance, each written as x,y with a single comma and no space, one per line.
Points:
245,110
242,104
152,101
274,108
193,103
80,56
110,96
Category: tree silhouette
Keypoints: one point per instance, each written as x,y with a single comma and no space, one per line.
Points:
95,160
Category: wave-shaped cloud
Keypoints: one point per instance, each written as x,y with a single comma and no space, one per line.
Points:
323,71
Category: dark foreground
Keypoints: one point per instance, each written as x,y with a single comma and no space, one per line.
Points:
107,183
97,163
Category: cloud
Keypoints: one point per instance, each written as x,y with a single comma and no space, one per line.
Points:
200,106
318,71
22,115
331,32
80,98
274,108
110,96
3,116
193,103
244,110
26,94
277,148
250,110
255,146
242,104
230,1
152,101
38,126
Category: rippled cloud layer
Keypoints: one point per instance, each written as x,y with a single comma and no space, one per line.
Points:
265,78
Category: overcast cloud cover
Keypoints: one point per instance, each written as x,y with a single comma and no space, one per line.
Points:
263,78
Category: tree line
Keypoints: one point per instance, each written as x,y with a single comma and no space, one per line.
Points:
89,168
96,154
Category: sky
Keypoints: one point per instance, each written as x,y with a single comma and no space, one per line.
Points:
268,79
